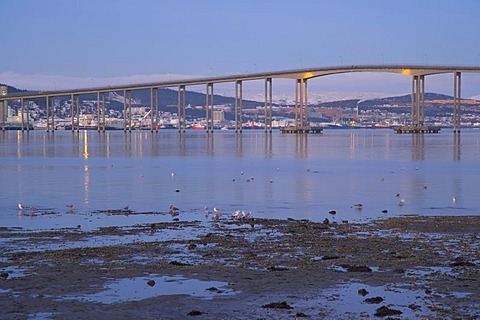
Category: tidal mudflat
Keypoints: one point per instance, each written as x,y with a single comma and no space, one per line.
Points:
399,267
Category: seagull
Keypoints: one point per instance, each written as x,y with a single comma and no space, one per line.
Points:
173,174
358,206
454,199
236,215
217,210
173,210
397,195
401,203
21,206
216,216
70,206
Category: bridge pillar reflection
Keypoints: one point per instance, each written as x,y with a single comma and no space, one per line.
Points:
301,107
238,106
182,124
268,104
456,101
209,107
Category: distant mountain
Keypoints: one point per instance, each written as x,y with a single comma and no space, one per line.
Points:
166,97
407,99
396,100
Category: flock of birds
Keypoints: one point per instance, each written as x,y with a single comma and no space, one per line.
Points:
237,215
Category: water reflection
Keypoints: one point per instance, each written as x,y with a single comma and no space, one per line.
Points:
418,146
268,145
457,149
86,184
346,167
85,145
301,146
209,144
238,144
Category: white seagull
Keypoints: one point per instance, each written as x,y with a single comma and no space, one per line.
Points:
21,206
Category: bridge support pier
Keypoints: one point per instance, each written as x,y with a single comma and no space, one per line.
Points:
21,110
238,106
457,83
156,110
27,115
209,107
152,113
47,111
268,104
124,110
53,113
72,111
129,110
301,107
98,112
103,112
4,112
78,114
418,101
182,124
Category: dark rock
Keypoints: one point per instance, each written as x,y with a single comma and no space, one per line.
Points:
373,300
386,311
301,315
332,212
213,289
178,263
277,305
399,270
385,211
274,268
195,313
356,268
362,292
326,221
177,190
192,246
4,275
330,257
460,262
151,283
414,307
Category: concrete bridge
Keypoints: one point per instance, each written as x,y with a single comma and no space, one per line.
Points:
300,77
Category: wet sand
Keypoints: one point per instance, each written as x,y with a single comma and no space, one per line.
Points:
277,269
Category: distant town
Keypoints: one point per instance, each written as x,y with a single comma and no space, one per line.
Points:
354,113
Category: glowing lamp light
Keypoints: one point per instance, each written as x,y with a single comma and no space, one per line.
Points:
407,72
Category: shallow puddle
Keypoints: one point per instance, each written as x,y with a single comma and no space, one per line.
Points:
346,301
136,289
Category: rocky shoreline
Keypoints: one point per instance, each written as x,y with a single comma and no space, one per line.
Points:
400,267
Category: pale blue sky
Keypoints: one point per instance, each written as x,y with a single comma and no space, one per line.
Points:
102,39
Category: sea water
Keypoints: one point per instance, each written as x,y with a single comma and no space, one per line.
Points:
272,175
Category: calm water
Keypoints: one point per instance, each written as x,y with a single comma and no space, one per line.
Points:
302,177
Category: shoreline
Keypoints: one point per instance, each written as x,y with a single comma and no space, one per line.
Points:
422,266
